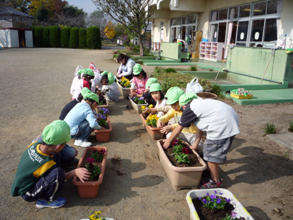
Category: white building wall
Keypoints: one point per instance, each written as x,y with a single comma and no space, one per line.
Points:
29,38
286,22
5,39
14,38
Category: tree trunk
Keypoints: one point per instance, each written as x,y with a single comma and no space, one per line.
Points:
141,45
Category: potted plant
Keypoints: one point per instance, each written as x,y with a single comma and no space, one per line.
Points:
217,203
186,166
102,101
94,159
124,87
150,123
137,103
104,121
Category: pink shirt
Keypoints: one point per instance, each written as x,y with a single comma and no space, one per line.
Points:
140,84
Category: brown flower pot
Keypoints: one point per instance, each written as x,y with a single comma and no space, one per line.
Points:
206,95
103,135
89,189
181,177
153,132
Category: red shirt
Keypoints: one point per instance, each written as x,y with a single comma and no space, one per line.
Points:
86,84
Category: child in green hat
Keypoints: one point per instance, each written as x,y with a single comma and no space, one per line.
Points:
85,77
147,95
158,96
37,176
138,83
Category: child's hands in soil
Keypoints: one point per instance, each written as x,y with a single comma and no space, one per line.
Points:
166,144
82,174
166,129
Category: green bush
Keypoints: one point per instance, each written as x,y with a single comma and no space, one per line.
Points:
46,37
64,37
93,38
55,36
170,70
216,89
193,68
38,36
73,40
82,38
270,128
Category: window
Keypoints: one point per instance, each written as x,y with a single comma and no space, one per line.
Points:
191,19
257,30
233,13
259,8
214,16
173,21
271,30
272,7
242,31
184,20
244,11
223,14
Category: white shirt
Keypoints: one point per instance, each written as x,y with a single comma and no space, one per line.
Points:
162,104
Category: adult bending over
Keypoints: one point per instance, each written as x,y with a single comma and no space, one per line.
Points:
126,66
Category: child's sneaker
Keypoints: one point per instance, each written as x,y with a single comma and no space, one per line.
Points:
211,184
59,202
77,142
85,144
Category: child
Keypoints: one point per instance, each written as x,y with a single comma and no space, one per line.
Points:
106,79
173,95
147,95
77,77
84,81
37,177
138,83
158,96
220,121
82,121
126,67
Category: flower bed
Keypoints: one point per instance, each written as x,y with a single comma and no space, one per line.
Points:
182,176
206,204
137,106
96,165
154,132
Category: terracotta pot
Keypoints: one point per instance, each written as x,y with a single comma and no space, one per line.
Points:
193,194
206,95
137,107
181,177
153,132
124,91
103,135
89,189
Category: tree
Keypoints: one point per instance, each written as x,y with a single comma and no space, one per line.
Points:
42,13
110,30
133,14
72,11
21,5
54,7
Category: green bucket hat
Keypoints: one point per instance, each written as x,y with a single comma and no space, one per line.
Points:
81,71
111,78
151,81
186,98
137,69
89,72
91,95
84,91
58,132
174,94
155,87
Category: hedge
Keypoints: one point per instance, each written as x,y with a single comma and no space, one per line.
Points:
93,38
38,36
64,37
73,40
46,37
55,36
82,38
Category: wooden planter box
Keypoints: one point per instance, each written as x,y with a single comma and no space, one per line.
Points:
153,132
137,107
124,91
89,189
103,135
241,211
181,177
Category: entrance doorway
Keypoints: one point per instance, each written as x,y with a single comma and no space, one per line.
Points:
21,38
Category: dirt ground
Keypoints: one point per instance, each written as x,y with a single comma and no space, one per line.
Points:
35,86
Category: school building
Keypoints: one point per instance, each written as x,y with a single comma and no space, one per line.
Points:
242,22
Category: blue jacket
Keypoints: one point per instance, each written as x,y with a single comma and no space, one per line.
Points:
81,111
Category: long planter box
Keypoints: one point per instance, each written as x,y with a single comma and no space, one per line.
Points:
89,189
241,211
181,177
137,107
124,91
103,135
153,132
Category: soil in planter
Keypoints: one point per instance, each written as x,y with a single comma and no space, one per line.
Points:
205,213
89,154
194,162
145,115
107,126
102,100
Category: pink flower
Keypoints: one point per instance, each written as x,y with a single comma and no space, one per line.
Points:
90,160
101,152
185,150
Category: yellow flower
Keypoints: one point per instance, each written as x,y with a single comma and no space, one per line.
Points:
92,217
127,83
98,213
142,107
151,106
123,79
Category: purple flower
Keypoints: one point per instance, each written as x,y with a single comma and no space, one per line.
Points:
90,160
141,98
204,201
103,117
221,193
215,206
228,200
219,200
213,196
215,192
199,198
207,194
233,214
